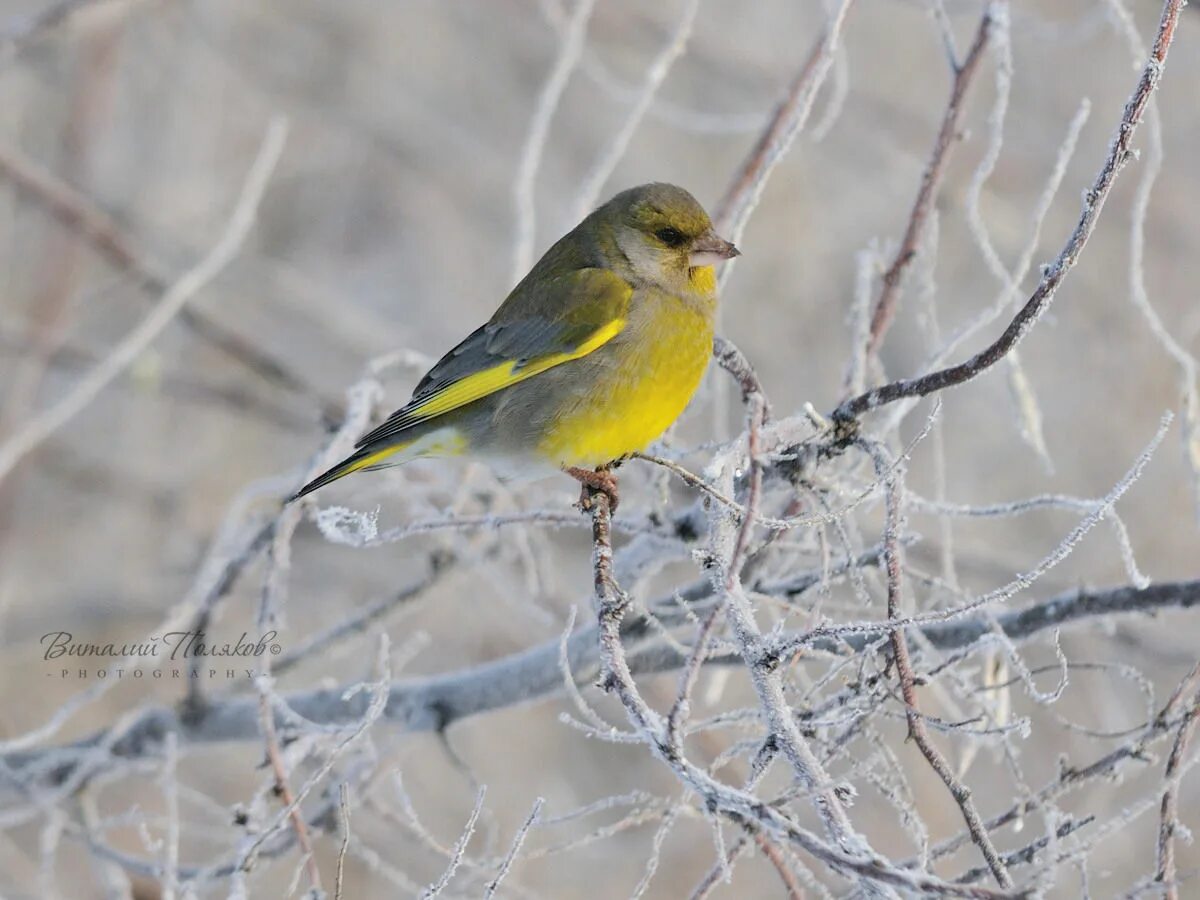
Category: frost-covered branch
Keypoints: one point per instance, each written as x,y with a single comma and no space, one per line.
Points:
435,702
787,627
1120,153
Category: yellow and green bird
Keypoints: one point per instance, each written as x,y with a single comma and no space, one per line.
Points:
590,358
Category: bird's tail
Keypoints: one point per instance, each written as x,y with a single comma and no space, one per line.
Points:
439,442
362,459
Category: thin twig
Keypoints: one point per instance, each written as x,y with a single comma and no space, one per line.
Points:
733,361
1169,811
771,851
284,789
720,869
1030,852
788,120
570,50
1189,369
460,848
917,729
432,703
931,178
1119,154
81,214
678,715
1069,777
850,855
344,815
47,422
656,74
515,848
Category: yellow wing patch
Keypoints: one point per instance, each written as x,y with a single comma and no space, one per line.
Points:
372,459
442,442
508,373
439,442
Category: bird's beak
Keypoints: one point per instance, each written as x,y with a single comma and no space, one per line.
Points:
709,249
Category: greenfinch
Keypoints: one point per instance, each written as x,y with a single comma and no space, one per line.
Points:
591,357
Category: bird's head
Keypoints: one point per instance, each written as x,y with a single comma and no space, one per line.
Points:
665,233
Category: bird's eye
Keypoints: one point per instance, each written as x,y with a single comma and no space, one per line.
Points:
672,237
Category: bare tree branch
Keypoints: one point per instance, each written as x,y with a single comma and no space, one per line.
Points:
931,179
45,423
765,633
1119,154
1169,815
77,212
434,702
917,729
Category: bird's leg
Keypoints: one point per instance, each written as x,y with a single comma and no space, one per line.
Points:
595,481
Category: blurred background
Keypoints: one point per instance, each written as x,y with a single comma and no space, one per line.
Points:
390,223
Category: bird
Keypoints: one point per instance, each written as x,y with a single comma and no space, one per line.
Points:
590,358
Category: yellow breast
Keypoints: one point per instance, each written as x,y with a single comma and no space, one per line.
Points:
649,375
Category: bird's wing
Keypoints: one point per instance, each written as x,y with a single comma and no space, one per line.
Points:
565,317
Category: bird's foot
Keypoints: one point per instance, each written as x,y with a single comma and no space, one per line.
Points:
593,482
